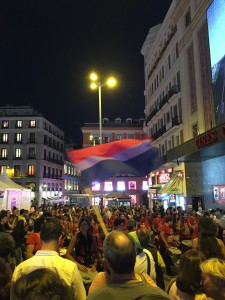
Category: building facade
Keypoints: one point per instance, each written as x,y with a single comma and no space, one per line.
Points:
179,104
135,187
32,149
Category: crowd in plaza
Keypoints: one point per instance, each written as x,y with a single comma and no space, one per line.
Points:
112,253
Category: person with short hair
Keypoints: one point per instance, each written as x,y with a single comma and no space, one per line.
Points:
120,281
119,224
213,278
41,284
48,257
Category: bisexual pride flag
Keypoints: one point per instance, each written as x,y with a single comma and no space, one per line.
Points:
124,157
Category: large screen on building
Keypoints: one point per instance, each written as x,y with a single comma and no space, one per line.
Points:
216,29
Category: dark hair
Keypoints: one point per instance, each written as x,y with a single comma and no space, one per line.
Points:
118,221
131,224
22,211
2,215
144,237
38,223
84,219
207,238
41,284
169,219
7,244
189,273
20,226
121,255
51,230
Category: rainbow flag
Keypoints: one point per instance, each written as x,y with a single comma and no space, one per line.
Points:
123,157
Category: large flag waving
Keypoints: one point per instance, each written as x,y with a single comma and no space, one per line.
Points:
124,157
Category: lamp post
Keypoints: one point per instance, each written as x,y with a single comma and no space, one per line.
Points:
110,82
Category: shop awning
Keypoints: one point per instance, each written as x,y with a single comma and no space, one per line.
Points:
174,186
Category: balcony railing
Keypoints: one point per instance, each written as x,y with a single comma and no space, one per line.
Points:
174,122
174,90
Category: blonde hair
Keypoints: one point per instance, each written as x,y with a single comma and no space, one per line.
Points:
214,267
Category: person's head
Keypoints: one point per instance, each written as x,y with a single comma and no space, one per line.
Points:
41,284
3,217
37,224
51,230
22,212
213,278
131,225
144,237
119,224
84,225
189,273
7,244
5,280
10,218
169,221
120,252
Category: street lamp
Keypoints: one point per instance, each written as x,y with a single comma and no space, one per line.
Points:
110,82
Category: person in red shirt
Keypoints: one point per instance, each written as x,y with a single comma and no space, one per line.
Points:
167,240
186,227
157,222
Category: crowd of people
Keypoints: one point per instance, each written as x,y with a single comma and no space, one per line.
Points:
118,253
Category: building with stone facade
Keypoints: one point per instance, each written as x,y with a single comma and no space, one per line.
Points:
179,106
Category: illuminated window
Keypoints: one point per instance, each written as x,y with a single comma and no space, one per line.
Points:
119,137
96,187
18,137
19,124
32,123
145,185
4,152
30,170
18,152
108,186
3,168
5,124
5,137
121,186
132,185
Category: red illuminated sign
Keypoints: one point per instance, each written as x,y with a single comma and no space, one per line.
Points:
163,178
206,139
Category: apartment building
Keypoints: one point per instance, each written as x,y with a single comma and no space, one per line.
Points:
32,149
179,104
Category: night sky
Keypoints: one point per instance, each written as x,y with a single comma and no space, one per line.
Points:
48,48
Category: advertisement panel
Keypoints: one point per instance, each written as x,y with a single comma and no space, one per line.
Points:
218,194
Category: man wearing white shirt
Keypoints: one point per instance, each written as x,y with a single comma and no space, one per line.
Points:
48,257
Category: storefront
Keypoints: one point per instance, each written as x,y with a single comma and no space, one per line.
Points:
204,163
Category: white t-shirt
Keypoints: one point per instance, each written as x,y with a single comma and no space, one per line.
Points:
141,265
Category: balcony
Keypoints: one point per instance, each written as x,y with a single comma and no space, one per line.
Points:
31,141
174,122
173,91
3,141
17,157
4,158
